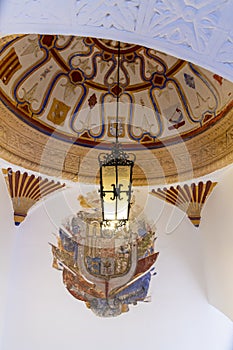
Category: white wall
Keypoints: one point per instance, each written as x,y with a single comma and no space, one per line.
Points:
217,236
40,314
7,234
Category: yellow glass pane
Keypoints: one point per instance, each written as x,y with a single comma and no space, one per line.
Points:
108,177
119,203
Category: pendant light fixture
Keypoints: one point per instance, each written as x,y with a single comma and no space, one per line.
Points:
116,169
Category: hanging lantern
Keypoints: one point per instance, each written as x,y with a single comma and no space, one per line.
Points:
116,169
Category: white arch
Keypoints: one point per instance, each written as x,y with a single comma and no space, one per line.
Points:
197,31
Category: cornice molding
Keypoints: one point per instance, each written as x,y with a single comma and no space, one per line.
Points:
199,156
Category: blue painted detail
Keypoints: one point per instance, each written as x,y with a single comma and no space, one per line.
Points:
106,307
157,60
137,291
24,77
183,98
189,80
8,43
79,105
142,70
157,114
68,244
93,265
62,47
75,225
114,63
86,54
195,71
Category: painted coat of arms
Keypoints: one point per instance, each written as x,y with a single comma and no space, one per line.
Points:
107,270
112,127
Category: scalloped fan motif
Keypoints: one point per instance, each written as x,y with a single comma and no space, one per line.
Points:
25,190
188,198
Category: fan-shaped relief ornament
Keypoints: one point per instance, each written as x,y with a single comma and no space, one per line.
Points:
108,270
188,198
26,190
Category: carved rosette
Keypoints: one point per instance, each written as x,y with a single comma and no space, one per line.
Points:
25,190
188,198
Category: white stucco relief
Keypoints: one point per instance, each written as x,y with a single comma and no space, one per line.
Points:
194,30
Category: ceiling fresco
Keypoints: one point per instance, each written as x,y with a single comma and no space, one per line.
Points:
58,112
68,85
65,87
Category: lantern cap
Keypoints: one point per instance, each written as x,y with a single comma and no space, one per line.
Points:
117,156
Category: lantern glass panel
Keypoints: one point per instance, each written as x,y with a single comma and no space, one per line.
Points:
116,202
109,205
123,183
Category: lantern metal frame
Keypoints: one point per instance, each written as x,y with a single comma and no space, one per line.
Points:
116,158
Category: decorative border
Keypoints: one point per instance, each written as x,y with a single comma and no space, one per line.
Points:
203,154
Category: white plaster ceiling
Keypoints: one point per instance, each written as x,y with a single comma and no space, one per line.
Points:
197,31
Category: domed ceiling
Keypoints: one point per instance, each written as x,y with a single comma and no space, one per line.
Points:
59,108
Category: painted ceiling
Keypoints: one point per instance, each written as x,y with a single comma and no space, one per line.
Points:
58,111
59,108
